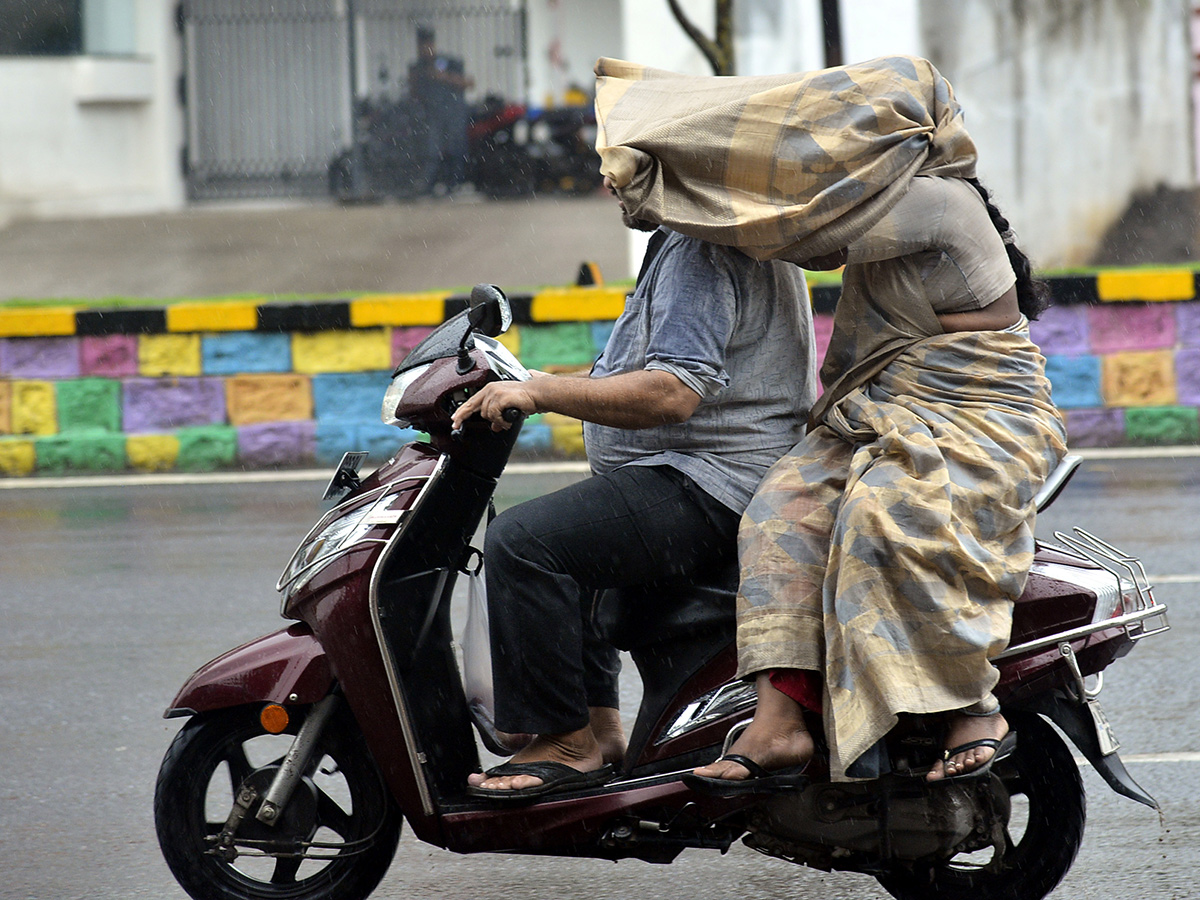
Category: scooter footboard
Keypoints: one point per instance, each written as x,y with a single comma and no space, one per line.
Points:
288,666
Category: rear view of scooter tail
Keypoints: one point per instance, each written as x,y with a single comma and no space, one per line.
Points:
304,750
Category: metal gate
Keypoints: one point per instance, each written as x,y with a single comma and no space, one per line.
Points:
268,83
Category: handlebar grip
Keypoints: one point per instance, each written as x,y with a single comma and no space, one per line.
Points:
512,414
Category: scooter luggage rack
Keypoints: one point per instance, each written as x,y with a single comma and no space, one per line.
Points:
1141,615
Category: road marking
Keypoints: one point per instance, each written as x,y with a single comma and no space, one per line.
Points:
1182,757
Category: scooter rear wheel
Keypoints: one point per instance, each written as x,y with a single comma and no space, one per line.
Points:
343,803
1043,780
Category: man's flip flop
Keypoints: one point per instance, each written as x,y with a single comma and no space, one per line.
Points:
556,778
760,781
1004,748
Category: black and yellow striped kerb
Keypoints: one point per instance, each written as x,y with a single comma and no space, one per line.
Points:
594,302
574,304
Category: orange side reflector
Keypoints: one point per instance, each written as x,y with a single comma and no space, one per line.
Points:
274,718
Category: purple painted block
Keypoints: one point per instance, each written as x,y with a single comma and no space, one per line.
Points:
1187,323
1187,376
161,404
1128,326
1062,331
404,339
110,355
277,444
1095,427
50,357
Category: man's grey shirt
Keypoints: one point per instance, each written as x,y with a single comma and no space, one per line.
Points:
736,331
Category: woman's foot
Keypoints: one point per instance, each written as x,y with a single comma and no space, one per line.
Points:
776,739
964,729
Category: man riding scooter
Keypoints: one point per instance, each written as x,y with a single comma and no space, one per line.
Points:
705,382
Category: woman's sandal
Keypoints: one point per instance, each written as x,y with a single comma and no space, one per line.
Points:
1004,748
760,781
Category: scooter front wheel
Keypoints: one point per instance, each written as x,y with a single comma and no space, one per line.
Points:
1045,828
334,840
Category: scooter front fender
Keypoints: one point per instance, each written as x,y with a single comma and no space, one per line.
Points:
288,666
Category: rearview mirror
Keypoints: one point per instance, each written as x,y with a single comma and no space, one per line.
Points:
490,313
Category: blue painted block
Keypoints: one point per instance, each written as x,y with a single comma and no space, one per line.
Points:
601,332
352,396
335,437
1075,381
382,441
535,438
245,351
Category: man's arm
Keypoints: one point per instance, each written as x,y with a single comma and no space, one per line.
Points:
643,399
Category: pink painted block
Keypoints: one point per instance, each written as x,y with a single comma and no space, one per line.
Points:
1062,331
1095,427
1128,326
111,355
1187,376
38,357
822,332
404,339
1187,323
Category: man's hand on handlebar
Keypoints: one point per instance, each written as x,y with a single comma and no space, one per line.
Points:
492,400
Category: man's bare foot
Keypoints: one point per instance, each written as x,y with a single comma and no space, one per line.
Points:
964,729
776,739
577,749
606,726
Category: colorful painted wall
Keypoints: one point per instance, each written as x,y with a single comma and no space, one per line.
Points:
238,384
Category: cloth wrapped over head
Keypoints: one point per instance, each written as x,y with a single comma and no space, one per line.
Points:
780,166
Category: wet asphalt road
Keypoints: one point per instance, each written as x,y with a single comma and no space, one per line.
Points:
111,596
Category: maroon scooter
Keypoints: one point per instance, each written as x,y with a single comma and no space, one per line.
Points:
304,749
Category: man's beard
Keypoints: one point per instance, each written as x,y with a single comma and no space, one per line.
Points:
637,224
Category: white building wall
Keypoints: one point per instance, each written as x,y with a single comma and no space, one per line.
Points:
1074,105
93,135
565,39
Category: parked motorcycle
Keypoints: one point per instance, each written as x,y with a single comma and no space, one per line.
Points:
305,749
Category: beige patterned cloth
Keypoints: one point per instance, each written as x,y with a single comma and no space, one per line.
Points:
781,166
885,550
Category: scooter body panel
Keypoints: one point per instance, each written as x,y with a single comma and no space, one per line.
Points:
287,667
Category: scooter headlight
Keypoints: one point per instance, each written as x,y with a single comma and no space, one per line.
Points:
322,544
394,395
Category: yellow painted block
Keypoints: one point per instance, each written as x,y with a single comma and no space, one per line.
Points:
44,322
586,304
511,339
152,452
569,438
1146,284
17,457
168,354
398,309
341,351
239,316
5,407
33,409
1139,379
268,398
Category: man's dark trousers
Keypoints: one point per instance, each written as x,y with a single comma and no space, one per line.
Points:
546,557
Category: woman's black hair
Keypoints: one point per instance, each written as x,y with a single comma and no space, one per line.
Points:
1033,296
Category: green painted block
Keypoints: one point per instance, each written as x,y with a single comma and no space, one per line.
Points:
1162,425
206,448
566,344
89,404
94,451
